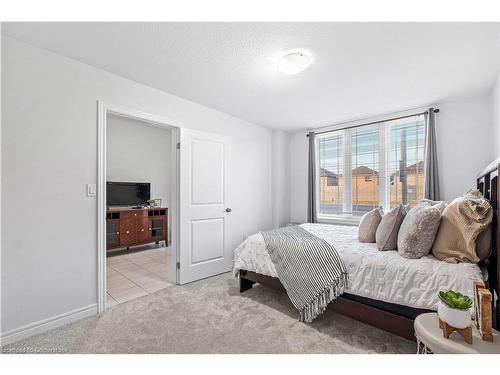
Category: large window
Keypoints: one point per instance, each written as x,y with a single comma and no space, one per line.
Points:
370,166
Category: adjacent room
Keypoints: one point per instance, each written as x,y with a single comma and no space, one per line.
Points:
250,187
139,161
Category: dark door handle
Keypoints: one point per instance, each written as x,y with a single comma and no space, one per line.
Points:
228,210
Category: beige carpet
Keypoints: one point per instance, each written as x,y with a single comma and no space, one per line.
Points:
211,316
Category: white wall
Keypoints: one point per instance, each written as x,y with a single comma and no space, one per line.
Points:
280,178
495,107
465,147
139,152
465,144
49,153
495,104
298,152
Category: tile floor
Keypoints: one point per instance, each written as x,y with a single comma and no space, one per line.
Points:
141,271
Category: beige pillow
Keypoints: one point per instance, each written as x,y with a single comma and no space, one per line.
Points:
368,225
387,231
463,220
418,230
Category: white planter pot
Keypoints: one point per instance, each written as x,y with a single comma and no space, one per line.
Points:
455,318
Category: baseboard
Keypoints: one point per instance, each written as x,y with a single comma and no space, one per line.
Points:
46,324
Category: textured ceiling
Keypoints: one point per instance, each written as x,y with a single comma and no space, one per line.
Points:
358,69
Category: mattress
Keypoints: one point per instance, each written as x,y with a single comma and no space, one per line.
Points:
379,275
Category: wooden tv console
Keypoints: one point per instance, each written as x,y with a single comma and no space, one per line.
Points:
127,227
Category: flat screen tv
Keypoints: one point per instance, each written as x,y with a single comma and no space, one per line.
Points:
127,193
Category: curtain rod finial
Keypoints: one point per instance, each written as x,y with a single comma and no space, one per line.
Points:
436,110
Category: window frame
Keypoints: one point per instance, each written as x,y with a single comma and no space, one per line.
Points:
384,130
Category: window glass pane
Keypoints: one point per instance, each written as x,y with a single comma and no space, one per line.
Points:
365,170
406,161
376,165
331,158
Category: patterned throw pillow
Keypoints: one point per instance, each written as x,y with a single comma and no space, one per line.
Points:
462,222
369,224
440,205
388,229
418,230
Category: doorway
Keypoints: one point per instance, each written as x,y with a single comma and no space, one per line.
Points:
137,204
199,216
139,258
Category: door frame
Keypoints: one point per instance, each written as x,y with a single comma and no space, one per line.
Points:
103,110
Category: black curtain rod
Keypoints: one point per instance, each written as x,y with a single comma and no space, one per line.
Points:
436,110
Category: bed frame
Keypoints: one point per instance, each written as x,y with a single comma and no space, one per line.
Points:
398,319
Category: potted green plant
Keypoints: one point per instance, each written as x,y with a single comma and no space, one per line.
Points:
454,309
151,202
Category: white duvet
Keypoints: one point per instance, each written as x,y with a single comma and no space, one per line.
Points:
380,275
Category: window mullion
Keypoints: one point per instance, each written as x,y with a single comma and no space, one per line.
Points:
347,198
384,170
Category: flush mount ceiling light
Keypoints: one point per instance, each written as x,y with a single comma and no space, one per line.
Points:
294,62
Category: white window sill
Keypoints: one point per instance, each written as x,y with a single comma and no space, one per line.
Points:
343,220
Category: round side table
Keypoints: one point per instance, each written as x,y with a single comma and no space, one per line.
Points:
430,339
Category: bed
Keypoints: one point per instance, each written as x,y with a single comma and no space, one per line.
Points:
385,290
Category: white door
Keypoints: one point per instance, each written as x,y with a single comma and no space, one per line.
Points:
205,212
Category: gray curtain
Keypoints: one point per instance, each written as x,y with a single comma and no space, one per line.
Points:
312,216
431,189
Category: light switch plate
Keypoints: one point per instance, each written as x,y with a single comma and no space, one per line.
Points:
91,190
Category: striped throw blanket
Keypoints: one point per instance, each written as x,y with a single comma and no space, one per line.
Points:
309,268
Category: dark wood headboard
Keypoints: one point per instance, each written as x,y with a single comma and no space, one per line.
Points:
487,184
